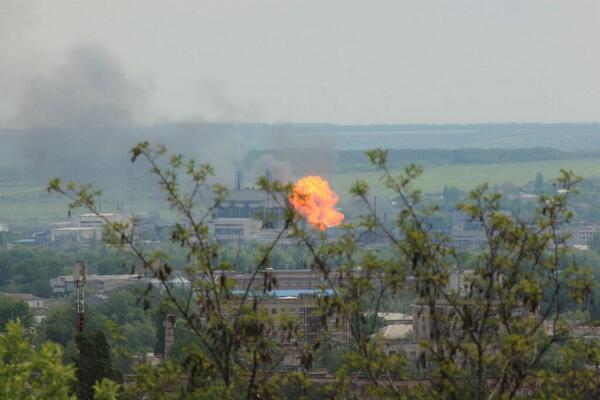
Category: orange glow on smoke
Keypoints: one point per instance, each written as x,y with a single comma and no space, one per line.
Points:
313,199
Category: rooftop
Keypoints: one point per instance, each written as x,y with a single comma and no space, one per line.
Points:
90,215
287,293
395,332
94,277
74,229
389,316
225,220
249,195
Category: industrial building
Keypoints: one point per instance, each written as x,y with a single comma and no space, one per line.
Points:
255,204
292,279
88,227
64,285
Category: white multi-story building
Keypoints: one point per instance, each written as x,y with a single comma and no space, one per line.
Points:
584,233
88,227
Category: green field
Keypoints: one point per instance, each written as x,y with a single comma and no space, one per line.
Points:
468,176
30,202
23,201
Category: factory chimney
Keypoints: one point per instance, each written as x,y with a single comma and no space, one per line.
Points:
169,333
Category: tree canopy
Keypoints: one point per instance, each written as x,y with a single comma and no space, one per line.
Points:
93,363
27,372
14,310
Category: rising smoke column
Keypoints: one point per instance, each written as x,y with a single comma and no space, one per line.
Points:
313,198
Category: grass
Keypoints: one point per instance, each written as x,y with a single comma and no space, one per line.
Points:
29,202
466,177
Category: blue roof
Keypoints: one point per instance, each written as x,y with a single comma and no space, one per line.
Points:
288,292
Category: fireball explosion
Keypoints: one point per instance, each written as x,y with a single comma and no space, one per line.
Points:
313,198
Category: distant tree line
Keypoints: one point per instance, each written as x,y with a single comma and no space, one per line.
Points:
350,160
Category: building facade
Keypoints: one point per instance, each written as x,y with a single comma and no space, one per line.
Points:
254,204
65,285
303,308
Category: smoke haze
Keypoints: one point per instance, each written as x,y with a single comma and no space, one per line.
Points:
83,81
89,90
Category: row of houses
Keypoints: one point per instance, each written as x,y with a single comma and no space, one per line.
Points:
468,234
86,227
39,306
64,285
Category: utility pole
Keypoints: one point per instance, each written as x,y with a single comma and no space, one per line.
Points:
79,280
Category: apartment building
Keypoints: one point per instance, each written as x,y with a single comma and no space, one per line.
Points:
303,307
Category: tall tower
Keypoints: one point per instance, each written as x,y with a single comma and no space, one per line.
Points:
79,279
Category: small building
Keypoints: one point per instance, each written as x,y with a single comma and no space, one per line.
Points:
34,302
39,307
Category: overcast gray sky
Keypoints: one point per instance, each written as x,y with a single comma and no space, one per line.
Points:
340,61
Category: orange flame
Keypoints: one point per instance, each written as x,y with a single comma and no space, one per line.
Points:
313,198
